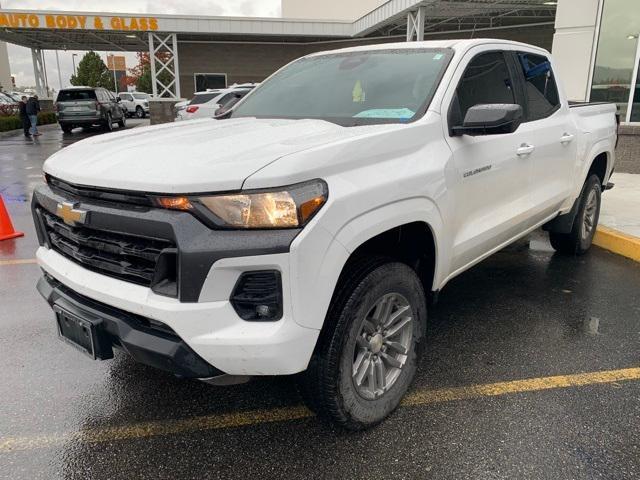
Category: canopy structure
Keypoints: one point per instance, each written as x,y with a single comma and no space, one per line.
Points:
161,34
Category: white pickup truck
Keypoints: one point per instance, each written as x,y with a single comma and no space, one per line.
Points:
306,233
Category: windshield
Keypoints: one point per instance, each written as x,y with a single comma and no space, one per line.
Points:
352,88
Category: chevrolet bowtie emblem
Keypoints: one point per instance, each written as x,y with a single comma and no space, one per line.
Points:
71,215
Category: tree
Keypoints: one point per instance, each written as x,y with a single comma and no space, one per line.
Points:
93,72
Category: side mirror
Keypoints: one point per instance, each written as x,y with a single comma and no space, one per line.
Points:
490,119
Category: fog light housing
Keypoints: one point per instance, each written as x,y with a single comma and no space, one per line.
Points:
257,296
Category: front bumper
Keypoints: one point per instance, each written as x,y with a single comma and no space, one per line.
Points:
212,329
147,342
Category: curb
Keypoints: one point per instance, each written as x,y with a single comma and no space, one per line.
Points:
618,242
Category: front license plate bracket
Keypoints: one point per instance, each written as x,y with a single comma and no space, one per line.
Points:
83,334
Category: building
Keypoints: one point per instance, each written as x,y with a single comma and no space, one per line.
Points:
6,81
199,52
597,48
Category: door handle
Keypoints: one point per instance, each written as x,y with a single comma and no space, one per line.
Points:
525,149
566,138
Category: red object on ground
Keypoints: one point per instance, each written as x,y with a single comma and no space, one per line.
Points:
6,227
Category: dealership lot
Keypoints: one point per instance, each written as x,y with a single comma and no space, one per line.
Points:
524,314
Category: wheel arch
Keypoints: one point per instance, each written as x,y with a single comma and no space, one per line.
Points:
600,165
413,244
319,259
396,231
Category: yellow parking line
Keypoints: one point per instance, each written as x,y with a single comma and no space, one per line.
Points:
255,417
18,261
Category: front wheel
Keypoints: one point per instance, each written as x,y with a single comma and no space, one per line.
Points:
579,239
66,128
139,112
368,352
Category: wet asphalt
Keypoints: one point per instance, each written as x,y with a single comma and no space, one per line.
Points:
523,313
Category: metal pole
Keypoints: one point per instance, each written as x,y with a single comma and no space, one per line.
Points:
59,73
152,61
46,78
73,59
176,68
37,72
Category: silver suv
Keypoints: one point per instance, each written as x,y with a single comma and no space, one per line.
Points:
88,106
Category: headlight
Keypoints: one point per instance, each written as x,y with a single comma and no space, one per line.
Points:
287,207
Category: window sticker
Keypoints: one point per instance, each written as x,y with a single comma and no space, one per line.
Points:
438,56
398,113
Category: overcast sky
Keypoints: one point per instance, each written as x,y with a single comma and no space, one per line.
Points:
20,58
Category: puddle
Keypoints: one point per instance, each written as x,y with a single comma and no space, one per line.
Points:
591,325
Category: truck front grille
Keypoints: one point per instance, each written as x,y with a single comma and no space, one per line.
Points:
127,257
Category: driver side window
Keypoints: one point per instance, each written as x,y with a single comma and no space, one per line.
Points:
485,80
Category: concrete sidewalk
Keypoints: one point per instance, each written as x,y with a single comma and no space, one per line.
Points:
621,205
619,226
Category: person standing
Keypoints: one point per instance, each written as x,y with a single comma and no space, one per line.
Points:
33,107
24,118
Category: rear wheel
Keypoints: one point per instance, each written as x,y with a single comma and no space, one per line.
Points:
367,355
108,123
579,239
122,123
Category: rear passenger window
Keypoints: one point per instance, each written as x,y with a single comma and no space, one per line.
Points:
540,86
486,80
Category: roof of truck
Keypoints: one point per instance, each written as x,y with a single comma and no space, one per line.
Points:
456,44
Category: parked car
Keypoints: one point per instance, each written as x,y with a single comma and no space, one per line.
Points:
136,103
206,104
13,96
7,99
178,107
308,233
88,106
8,105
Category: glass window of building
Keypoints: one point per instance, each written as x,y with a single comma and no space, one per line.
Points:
616,55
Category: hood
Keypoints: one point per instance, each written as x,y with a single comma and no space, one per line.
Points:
188,157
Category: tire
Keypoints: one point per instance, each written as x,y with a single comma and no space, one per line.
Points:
122,123
66,128
345,350
139,112
108,123
578,241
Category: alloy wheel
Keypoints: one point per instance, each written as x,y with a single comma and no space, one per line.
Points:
590,210
382,346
